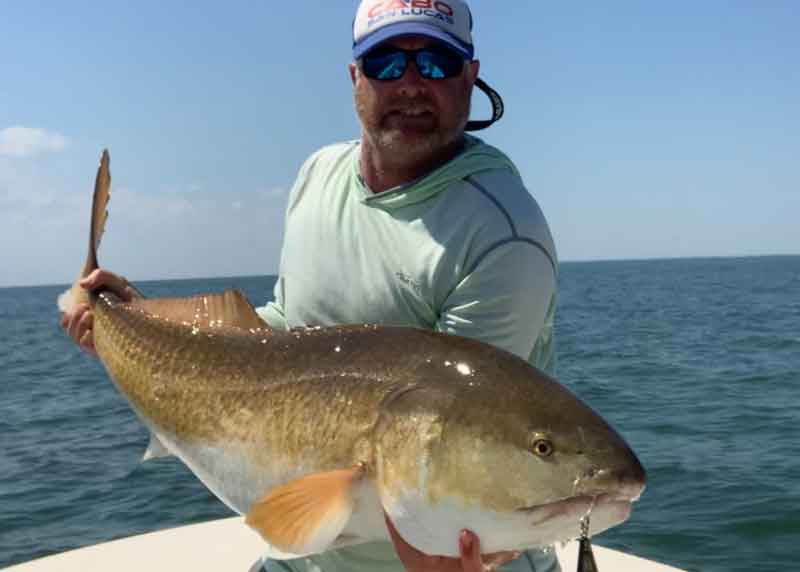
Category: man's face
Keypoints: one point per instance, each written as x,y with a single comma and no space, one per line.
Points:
411,119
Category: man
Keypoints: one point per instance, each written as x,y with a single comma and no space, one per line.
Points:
415,224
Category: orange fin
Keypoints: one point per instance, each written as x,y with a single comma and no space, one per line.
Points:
306,515
209,311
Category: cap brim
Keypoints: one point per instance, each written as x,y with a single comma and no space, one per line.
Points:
411,29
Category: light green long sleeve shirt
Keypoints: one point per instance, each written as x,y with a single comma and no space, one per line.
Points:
465,250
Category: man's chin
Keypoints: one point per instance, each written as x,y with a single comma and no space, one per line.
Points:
411,140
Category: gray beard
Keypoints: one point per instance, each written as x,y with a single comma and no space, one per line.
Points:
417,145
400,149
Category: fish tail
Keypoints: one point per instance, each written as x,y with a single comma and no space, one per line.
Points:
76,295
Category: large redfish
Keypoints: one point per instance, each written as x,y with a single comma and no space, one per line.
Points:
314,433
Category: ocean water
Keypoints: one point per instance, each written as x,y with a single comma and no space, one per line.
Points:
695,361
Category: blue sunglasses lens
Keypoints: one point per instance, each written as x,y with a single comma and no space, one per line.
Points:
391,63
385,66
433,66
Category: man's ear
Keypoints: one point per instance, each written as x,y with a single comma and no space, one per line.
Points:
353,72
473,68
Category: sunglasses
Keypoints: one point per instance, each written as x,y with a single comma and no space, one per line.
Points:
387,63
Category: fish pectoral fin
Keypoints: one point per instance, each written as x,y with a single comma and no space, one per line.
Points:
155,449
306,515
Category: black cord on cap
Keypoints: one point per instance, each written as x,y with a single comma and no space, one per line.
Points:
497,107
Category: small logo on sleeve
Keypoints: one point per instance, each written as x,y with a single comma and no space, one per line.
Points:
410,282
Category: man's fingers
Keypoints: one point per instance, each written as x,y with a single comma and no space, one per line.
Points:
75,320
70,320
79,323
87,343
469,560
470,549
103,278
473,561
85,325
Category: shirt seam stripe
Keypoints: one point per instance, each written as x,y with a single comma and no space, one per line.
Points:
495,202
503,242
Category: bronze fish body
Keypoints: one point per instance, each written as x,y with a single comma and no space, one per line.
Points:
314,433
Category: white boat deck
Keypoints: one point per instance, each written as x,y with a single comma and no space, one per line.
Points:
228,544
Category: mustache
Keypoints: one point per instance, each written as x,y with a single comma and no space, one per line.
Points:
409,104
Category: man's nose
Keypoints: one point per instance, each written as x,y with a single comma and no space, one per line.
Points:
412,83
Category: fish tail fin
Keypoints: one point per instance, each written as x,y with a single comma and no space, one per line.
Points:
100,200
76,295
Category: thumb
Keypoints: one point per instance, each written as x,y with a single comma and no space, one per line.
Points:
103,278
470,552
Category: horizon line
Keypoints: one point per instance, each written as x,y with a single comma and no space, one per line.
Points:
560,262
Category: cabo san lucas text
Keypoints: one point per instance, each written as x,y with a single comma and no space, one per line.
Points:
393,8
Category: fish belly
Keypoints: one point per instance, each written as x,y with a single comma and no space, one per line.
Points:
434,527
230,474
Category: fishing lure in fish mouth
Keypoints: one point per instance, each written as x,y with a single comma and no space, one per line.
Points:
586,561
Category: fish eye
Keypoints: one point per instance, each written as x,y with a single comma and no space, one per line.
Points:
542,447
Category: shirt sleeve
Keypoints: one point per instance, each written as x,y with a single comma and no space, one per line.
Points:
506,300
273,313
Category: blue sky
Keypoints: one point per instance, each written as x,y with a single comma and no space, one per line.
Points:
644,129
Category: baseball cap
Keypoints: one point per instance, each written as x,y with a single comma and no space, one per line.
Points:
448,21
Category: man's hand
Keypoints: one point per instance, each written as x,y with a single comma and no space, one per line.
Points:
78,323
469,547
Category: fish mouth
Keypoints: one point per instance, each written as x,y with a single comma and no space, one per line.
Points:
579,506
